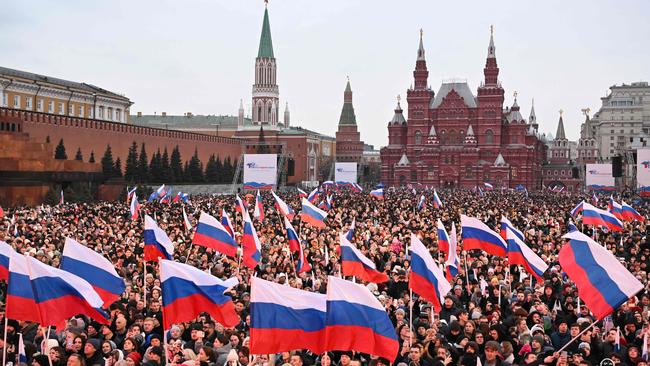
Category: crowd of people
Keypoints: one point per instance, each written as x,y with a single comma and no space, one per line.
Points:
495,314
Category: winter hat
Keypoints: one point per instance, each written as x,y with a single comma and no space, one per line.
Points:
135,357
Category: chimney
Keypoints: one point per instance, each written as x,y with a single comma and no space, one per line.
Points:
164,114
139,114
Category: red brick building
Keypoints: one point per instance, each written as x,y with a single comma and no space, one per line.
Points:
453,138
349,147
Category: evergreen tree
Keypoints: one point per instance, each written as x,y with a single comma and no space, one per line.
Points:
176,166
117,170
108,165
211,175
131,169
262,148
195,170
219,168
79,157
143,166
59,152
227,170
92,156
155,166
165,174
185,177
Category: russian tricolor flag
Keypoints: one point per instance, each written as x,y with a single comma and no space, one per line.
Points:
252,248
61,295
452,258
437,202
421,203
130,193
477,235
303,263
377,193
301,193
225,222
5,254
284,318
350,233
313,196
357,321
506,224
211,234
595,216
187,292
240,206
488,186
94,268
603,282
134,208
258,213
292,237
443,238
282,206
578,209
426,278
615,208
156,242
571,226
312,214
354,263
62,200
186,221
21,302
594,199
520,253
630,213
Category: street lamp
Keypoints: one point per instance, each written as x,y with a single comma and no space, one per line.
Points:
217,127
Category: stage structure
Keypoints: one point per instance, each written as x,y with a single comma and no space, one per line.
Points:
345,173
599,177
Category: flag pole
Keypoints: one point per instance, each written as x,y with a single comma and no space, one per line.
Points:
4,349
410,306
49,358
144,283
578,336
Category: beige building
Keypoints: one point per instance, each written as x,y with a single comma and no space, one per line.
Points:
39,93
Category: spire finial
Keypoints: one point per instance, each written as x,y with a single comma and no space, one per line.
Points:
533,104
586,111
561,112
515,94
421,33
491,29
398,98
266,3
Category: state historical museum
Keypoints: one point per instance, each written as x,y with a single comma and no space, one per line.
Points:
454,139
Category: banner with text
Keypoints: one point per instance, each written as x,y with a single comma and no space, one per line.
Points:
643,171
260,171
345,173
599,177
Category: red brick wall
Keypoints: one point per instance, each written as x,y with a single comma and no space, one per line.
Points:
94,135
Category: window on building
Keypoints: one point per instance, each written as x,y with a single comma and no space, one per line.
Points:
414,176
468,170
562,172
489,137
16,101
28,103
39,105
81,111
109,113
101,112
418,137
50,107
61,108
4,99
70,109
118,115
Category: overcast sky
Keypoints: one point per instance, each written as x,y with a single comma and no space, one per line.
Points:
198,55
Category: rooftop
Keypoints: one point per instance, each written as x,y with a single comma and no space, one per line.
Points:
461,88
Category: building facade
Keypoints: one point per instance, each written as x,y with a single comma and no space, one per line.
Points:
453,138
560,171
38,93
349,147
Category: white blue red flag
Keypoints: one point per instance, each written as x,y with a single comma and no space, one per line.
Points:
251,246
211,234
258,213
630,214
187,292
22,355
94,268
377,193
134,207
615,208
282,206
313,196
488,186
312,214
156,243
354,263
350,233
443,238
186,221
62,200
437,202
571,226
578,209
357,321
61,295
452,257
594,199
130,192
477,235
301,193
292,236
426,278
421,203
284,318
506,224
520,253
21,302
303,263
5,254
603,282
225,222
595,216
240,206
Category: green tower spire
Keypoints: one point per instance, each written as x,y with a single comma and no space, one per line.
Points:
266,44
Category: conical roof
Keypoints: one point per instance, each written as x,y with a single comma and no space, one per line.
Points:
266,44
559,135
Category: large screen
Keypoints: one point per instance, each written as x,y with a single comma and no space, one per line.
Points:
260,171
599,177
643,171
345,173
